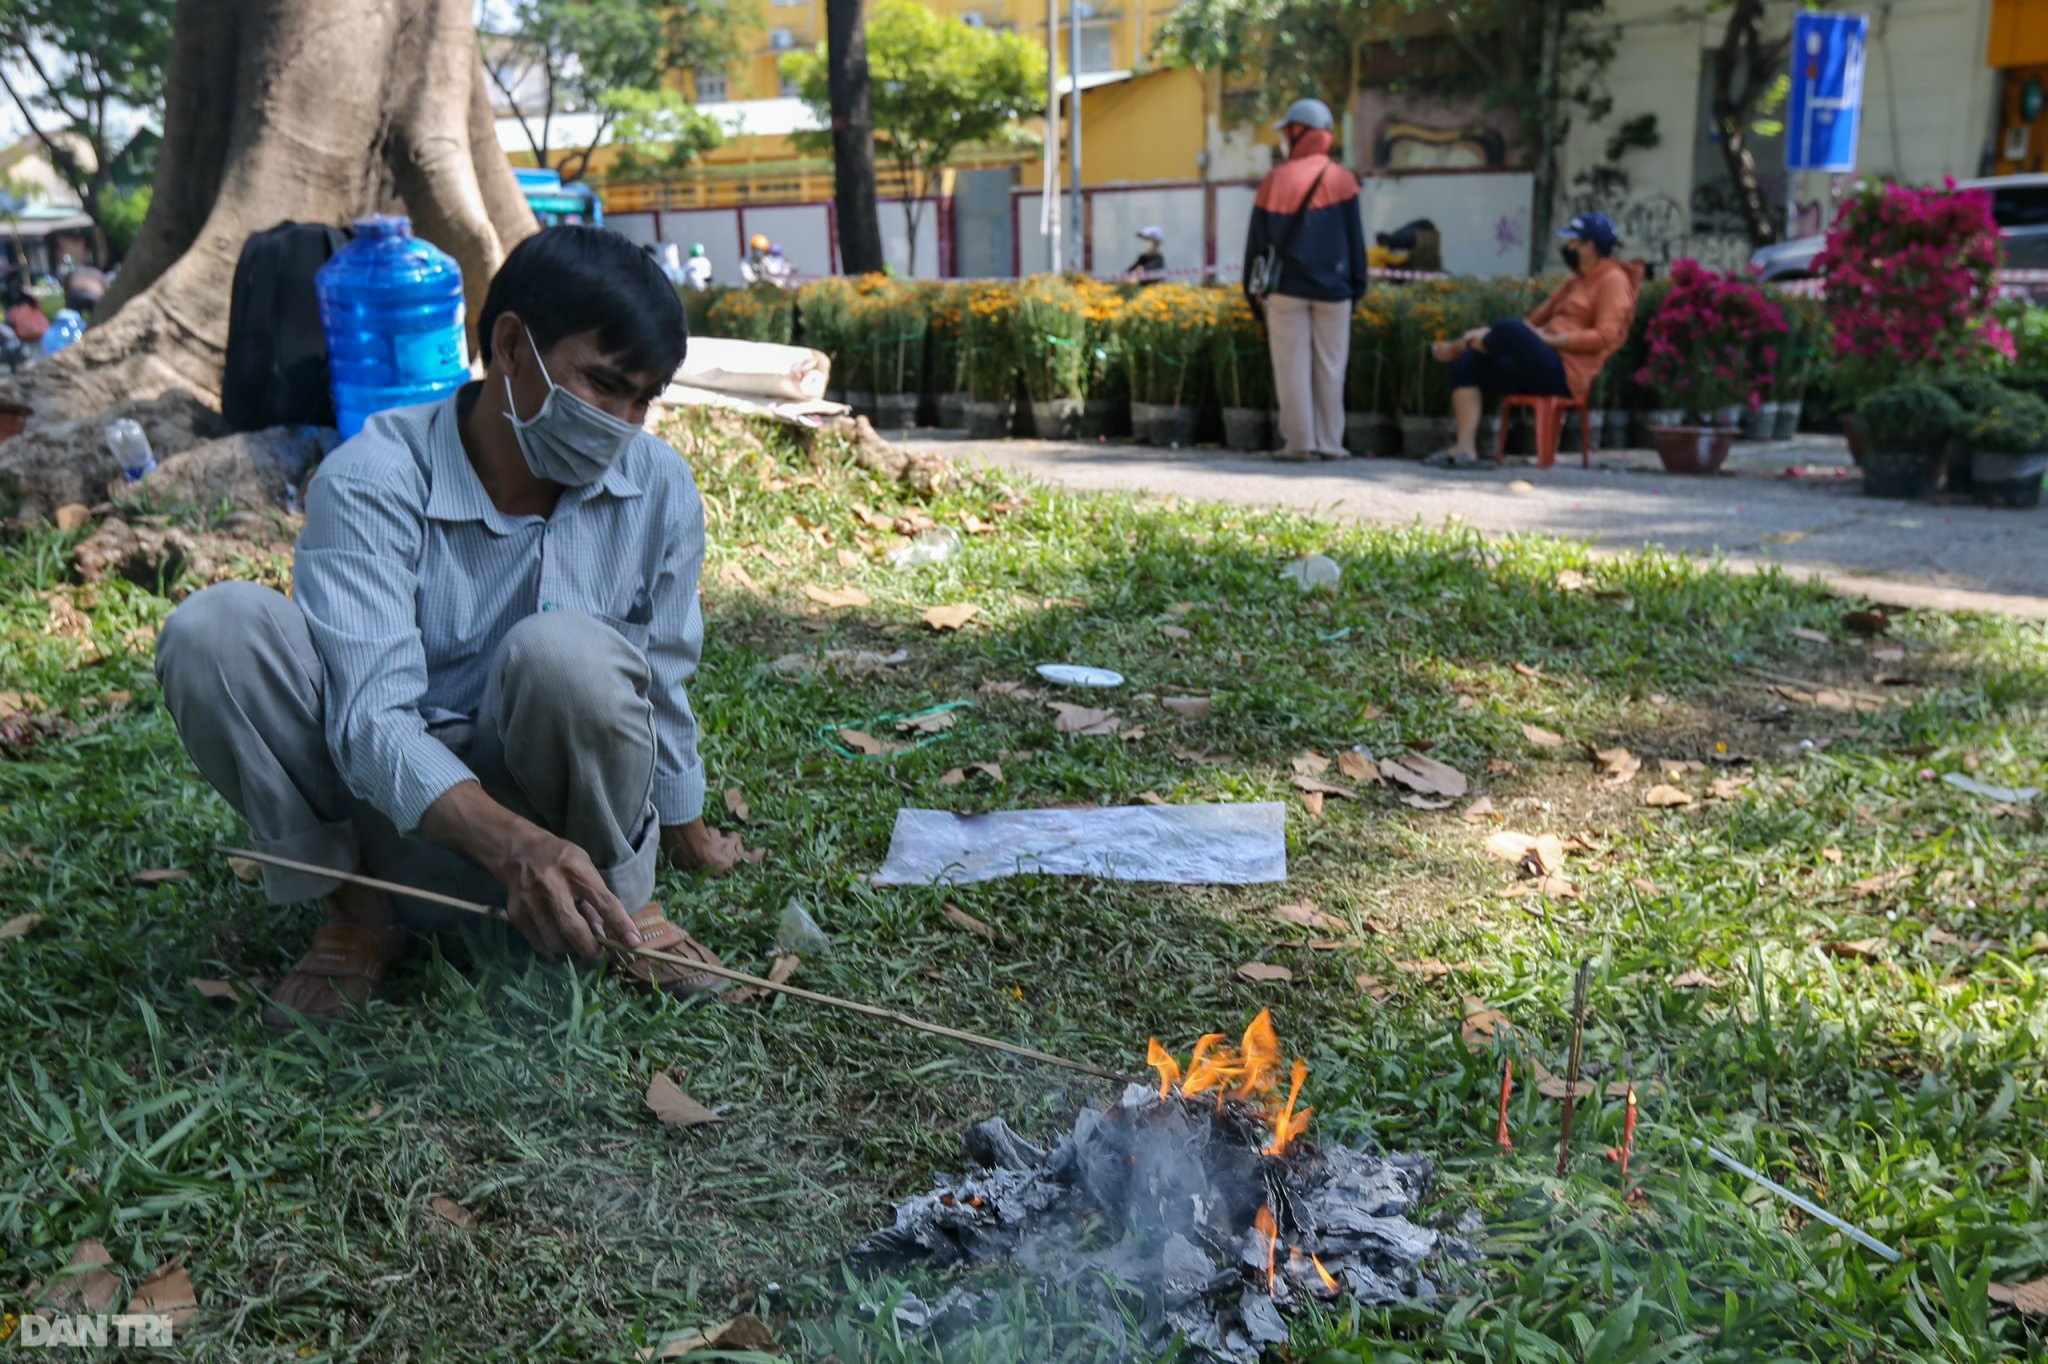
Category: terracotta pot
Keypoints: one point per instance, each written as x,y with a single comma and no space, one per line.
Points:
1246,428
1692,449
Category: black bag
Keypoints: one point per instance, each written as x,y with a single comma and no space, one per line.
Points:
276,371
1264,276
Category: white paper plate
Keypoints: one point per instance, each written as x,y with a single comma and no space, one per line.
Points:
1074,675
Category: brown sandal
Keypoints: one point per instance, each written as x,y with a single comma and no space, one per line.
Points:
658,933
338,974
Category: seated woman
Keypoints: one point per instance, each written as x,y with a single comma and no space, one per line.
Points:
1559,350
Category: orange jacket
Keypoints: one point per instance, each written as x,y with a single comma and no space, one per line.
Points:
1589,318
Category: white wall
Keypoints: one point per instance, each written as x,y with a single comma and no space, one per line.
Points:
896,238
1233,226
1115,215
803,231
1483,217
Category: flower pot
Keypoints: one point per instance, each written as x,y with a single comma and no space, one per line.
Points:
2007,480
1898,473
1643,421
1788,419
1955,468
1422,437
1171,425
1854,436
1247,428
1571,439
1614,429
1056,418
1141,420
894,411
835,395
1730,416
1692,449
988,419
1760,423
952,409
1369,435
1104,417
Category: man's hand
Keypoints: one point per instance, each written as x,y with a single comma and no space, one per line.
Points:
697,846
555,898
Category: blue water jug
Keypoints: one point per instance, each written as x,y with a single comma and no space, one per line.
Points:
392,308
65,331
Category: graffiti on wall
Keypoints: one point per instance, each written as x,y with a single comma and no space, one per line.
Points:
1710,229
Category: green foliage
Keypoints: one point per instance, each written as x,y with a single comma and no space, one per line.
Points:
121,216
761,313
937,86
2014,423
1051,339
658,133
73,64
1916,417
558,56
1239,354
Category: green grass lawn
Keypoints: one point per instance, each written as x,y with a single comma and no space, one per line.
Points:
1901,1081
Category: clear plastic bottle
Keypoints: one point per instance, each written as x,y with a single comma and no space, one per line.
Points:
1315,573
932,547
130,445
391,305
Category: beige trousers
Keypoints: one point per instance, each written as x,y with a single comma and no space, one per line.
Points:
1310,341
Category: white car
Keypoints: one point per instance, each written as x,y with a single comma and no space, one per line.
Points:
2018,202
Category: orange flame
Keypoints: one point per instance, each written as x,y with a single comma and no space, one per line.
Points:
1288,1124
1270,1229
1206,1073
1323,1274
1261,1051
1161,1060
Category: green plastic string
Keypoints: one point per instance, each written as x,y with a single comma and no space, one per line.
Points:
828,734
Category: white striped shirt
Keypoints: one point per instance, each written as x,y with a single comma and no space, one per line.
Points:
409,576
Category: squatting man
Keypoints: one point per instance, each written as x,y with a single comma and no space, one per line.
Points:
480,684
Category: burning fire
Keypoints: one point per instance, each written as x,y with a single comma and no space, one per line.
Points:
1323,1274
1270,1230
1248,1071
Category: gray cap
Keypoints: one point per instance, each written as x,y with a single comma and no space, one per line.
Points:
1309,113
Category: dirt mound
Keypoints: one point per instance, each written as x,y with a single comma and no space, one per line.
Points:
176,561
248,471
44,468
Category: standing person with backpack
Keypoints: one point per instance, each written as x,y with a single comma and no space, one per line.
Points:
1304,266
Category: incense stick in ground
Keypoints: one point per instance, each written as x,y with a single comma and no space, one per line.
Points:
670,958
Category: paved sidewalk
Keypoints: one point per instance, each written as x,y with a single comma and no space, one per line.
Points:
1817,523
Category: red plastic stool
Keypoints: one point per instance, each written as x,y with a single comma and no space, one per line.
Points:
1549,414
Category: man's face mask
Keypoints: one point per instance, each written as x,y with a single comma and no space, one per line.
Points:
569,441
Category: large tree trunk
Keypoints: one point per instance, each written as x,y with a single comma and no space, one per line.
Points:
291,110
853,138
1744,68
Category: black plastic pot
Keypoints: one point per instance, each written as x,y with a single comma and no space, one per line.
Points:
1898,473
2008,480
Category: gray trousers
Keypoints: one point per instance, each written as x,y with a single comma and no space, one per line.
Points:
1310,342
564,737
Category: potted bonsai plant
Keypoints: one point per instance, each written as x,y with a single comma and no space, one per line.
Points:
1706,356
1906,430
2009,451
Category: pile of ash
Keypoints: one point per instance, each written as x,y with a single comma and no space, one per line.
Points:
1179,1202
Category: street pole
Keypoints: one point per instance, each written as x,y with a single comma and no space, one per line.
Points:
1074,131
1049,194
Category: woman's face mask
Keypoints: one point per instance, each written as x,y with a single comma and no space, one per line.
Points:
1571,255
568,441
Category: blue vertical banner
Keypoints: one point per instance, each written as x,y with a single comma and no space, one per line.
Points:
1827,91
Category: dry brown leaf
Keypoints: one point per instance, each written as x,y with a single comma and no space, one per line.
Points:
1661,797
20,926
1310,764
451,1212
954,777
157,876
1856,949
862,742
1425,803
736,805
1263,972
742,1333
1373,988
87,1285
1500,767
1196,755
1694,979
2031,1299
783,967
13,703
1478,812
665,1098
951,617
221,990
1188,707
1358,766
1182,608
1467,701
1728,788
937,722
1811,636
838,598
1151,798
1619,766
73,516
1557,888
1527,671
1678,767
1425,776
1554,1087
731,574
993,771
1315,786
246,869
1884,881
167,1292
1570,580
1534,854
1071,719
960,918
1312,801
1176,632
1481,1025
1889,653
1541,737
1133,734
66,620
1429,968
1646,886
1305,914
